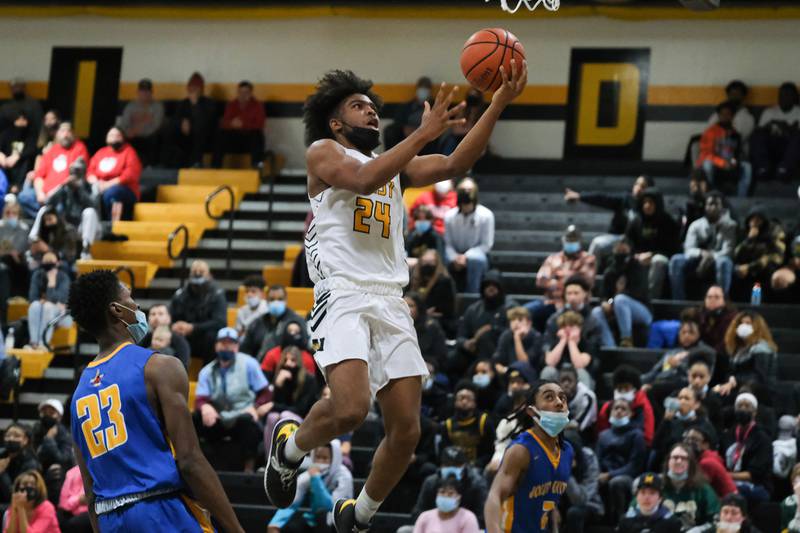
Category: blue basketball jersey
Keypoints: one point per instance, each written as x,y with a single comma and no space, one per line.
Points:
119,435
540,489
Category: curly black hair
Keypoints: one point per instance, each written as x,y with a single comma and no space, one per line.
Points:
89,297
333,88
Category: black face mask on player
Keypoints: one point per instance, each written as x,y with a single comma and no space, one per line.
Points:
364,139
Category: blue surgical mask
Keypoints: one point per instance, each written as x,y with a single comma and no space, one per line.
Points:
277,307
226,355
197,280
447,471
447,504
423,93
688,416
552,422
572,247
678,477
422,226
140,328
481,380
12,222
619,422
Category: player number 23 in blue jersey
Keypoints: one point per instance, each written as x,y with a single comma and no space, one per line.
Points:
100,437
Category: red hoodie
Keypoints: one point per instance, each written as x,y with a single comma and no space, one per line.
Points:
718,476
54,167
439,206
642,410
108,164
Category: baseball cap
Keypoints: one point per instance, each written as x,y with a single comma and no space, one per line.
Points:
55,404
649,480
228,334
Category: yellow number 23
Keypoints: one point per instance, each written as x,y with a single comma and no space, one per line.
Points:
100,441
367,208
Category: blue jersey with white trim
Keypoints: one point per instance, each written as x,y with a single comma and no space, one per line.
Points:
120,437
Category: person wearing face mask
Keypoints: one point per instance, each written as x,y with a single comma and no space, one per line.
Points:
439,201
325,481
114,171
423,236
53,443
52,171
473,108
19,457
775,145
686,492
409,116
621,454
487,382
13,245
681,413
293,336
431,280
148,474
748,451
30,510
199,310
707,249
20,102
449,516
649,514
47,295
255,304
18,151
536,469
469,428
431,337
468,237
628,386
709,460
721,153
266,331
759,255
752,351
732,518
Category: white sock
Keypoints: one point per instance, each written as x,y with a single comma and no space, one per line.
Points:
291,452
366,507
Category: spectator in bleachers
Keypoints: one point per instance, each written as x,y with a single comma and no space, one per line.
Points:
75,205
653,234
758,255
627,386
141,121
53,235
474,107
294,391
743,121
53,444
752,353
114,172
20,458
159,316
583,503
242,128
47,133
53,169
265,332
628,298
623,206
293,336
423,236
648,512
696,202
449,515
409,116
732,518
790,510
30,510
481,325
431,280
555,270
684,413
468,237
748,452
716,314
468,428
519,343
721,153
197,122
440,200
231,396
47,295
570,349
431,337
18,151
784,282
326,481
775,144
255,304
73,510
435,390
699,376
472,485
582,400
621,454
710,461
161,338
13,245
507,425
488,384
707,250
20,102
686,491
199,310
519,377
784,448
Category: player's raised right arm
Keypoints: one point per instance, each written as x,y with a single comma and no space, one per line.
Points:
168,378
515,463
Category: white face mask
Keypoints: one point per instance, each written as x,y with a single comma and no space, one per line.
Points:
627,396
729,527
744,330
253,301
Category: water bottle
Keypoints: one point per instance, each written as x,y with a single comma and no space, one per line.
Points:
755,296
10,340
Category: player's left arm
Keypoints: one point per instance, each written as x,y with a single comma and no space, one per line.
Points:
515,463
88,487
428,169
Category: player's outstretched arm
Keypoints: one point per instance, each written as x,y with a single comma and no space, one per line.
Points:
88,487
167,377
327,160
515,463
428,169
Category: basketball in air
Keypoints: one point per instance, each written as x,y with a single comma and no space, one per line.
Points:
484,52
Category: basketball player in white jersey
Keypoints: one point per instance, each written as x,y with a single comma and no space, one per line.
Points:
361,328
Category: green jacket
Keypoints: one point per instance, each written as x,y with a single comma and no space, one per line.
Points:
788,513
694,506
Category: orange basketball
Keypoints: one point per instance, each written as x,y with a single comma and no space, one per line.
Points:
484,52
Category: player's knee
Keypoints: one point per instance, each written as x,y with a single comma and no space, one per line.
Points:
350,416
405,435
